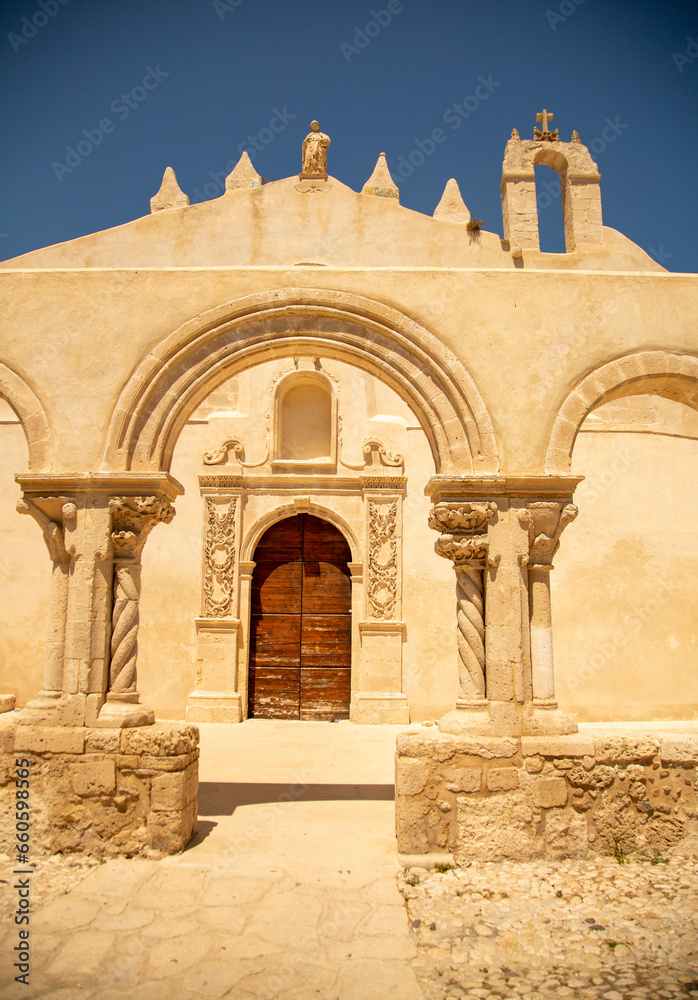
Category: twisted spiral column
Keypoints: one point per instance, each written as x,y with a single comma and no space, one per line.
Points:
471,634
124,639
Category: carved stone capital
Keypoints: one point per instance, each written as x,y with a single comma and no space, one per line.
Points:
462,517
545,521
53,526
464,550
133,518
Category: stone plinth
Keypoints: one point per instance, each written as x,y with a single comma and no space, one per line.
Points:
490,799
102,792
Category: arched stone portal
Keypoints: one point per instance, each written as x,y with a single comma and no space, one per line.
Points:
300,622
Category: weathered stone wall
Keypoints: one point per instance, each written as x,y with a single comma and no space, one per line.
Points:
495,799
101,792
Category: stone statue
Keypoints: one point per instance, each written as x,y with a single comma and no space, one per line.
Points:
315,153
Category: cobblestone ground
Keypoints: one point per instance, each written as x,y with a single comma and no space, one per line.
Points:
597,930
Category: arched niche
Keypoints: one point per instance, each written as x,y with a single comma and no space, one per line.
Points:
305,421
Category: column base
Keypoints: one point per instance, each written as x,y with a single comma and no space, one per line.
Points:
380,708
544,718
214,706
40,711
124,715
482,718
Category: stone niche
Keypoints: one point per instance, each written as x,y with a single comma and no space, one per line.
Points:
488,799
102,792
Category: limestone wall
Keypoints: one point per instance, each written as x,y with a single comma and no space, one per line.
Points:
624,611
25,573
600,792
101,792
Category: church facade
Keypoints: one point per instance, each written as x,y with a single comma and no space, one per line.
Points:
378,432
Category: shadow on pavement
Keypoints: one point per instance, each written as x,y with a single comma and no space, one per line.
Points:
223,798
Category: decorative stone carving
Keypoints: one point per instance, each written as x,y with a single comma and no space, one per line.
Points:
52,530
64,511
544,133
377,454
315,154
382,559
383,482
464,517
219,482
219,559
546,521
464,541
220,455
133,518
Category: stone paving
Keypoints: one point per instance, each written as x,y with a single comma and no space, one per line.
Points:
584,929
292,890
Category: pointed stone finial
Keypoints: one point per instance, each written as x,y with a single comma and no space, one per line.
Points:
515,133
452,208
380,183
243,175
170,194
575,137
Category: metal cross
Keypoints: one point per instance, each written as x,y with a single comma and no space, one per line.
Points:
544,117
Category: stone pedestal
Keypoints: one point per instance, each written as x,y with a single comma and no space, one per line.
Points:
216,698
102,792
378,696
517,798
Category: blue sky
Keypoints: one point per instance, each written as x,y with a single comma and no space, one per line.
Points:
190,83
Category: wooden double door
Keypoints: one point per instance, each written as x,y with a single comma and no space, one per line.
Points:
300,630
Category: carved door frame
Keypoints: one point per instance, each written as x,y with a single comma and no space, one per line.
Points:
238,509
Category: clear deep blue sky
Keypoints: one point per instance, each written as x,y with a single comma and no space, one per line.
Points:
223,70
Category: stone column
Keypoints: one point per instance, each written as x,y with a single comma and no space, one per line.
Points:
132,520
57,516
464,541
545,521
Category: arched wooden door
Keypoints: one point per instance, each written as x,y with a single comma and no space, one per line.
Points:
300,629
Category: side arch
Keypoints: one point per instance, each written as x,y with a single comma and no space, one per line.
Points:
189,364
662,373
32,416
265,522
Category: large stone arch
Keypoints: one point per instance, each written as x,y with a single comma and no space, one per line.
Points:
189,364
663,373
32,416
